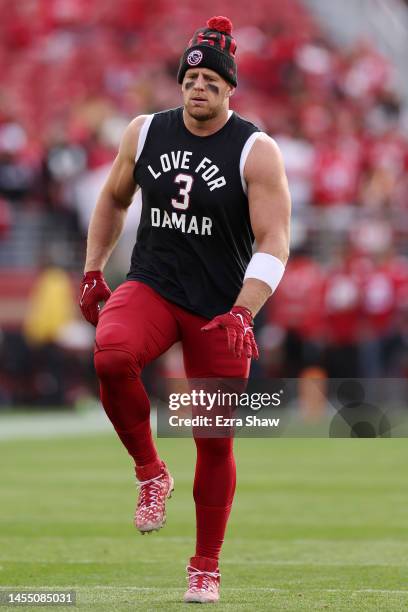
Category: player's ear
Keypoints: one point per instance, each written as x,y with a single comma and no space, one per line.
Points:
230,91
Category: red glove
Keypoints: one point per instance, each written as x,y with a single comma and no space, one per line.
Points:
239,325
93,290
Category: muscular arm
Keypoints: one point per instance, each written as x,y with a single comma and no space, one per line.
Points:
269,208
109,214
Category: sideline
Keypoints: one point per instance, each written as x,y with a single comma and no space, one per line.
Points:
54,424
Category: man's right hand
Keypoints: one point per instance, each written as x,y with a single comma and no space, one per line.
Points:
93,290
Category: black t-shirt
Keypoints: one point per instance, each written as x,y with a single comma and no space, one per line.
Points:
194,240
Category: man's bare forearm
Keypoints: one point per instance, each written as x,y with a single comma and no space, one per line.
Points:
104,231
253,295
254,292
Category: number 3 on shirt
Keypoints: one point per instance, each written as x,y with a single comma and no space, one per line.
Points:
184,191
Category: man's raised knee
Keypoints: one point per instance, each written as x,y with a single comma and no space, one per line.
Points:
115,363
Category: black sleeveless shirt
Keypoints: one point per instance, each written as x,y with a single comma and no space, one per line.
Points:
194,240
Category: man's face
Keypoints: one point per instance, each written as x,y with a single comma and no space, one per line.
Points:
205,93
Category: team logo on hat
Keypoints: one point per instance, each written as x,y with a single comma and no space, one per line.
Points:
194,57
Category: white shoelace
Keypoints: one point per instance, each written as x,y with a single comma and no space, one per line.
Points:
154,491
195,574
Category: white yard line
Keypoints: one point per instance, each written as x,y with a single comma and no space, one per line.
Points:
225,588
316,563
232,562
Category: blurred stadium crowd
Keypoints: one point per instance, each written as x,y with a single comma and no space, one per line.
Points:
74,72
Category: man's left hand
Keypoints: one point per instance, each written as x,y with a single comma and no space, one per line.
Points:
239,326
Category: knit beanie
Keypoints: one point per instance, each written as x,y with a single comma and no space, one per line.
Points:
212,47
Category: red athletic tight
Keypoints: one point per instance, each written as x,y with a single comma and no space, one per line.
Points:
135,327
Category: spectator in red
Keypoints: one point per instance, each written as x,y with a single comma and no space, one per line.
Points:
297,309
342,315
337,171
385,175
384,302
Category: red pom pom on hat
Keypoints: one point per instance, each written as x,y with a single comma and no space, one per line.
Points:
220,24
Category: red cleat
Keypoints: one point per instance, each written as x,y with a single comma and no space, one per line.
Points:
151,506
203,581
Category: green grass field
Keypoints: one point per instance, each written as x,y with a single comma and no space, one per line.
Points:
317,525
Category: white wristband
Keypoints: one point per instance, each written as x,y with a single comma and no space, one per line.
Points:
266,268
